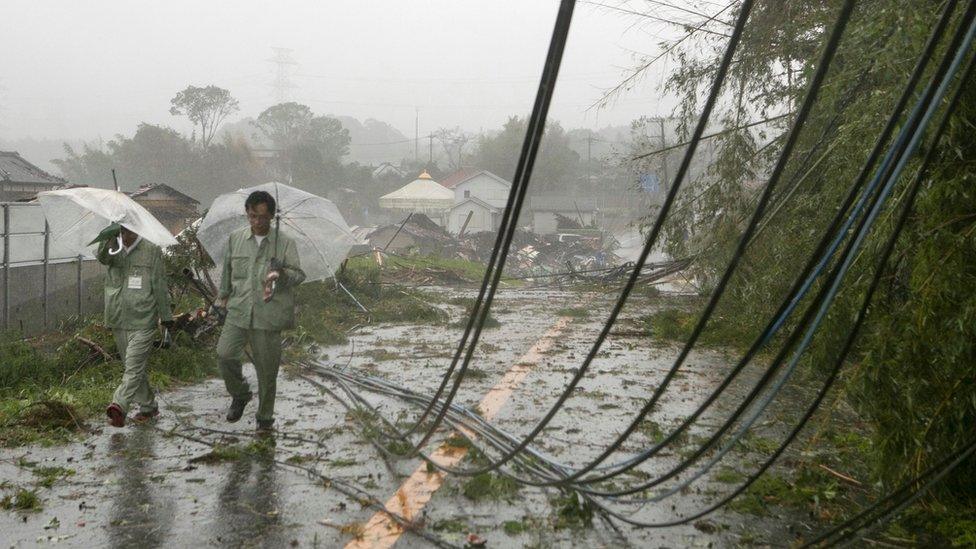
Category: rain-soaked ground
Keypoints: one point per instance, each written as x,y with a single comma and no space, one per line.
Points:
144,486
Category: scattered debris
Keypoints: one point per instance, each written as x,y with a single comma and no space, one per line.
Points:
50,414
95,347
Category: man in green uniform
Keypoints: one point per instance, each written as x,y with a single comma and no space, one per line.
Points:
136,301
260,272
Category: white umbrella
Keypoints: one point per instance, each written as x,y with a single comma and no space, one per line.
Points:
321,234
76,216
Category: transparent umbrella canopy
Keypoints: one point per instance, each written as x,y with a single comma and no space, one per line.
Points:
320,233
76,216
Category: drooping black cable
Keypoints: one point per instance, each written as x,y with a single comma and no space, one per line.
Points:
513,206
574,487
808,315
803,113
862,313
841,211
699,130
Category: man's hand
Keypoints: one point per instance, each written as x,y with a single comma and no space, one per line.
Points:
269,284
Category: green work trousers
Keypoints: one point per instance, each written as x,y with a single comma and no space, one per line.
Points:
266,354
134,347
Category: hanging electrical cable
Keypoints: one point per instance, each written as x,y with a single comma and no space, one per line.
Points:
645,252
444,407
513,206
893,154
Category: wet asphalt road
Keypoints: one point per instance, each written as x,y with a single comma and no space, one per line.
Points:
144,486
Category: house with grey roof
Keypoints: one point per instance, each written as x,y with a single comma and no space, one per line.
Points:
20,181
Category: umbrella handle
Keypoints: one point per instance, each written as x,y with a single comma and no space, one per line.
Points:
119,249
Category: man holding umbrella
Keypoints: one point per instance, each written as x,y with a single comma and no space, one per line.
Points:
261,269
136,301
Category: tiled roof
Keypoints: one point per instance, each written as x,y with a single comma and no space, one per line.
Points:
14,169
163,187
452,180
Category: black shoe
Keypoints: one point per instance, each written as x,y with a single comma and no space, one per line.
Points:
265,426
236,409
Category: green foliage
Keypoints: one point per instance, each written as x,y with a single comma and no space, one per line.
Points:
155,154
514,527
911,372
47,476
22,500
574,312
48,393
453,526
572,512
207,107
326,313
556,160
489,486
676,325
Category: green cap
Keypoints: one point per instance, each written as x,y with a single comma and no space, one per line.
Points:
108,233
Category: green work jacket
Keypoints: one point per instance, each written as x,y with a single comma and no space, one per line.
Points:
136,295
242,281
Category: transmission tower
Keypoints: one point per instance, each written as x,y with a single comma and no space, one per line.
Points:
282,85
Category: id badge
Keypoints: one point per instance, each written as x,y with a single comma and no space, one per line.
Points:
135,282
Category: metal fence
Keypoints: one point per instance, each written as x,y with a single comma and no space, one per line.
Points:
42,282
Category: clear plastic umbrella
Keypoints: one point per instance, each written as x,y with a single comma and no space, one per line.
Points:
76,216
321,234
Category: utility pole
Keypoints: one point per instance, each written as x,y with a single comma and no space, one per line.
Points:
589,157
281,84
416,135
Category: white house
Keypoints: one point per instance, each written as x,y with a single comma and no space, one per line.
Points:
484,216
481,184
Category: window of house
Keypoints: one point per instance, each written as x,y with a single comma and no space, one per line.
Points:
467,194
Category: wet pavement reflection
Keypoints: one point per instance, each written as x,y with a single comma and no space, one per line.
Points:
248,511
140,516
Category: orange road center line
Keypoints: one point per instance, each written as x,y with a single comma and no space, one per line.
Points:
409,500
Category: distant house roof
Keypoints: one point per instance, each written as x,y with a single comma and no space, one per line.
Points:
477,201
387,168
13,168
145,189
453,179
421,194
418,226
465,174
560,203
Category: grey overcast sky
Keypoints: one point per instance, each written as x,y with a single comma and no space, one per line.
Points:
83,70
